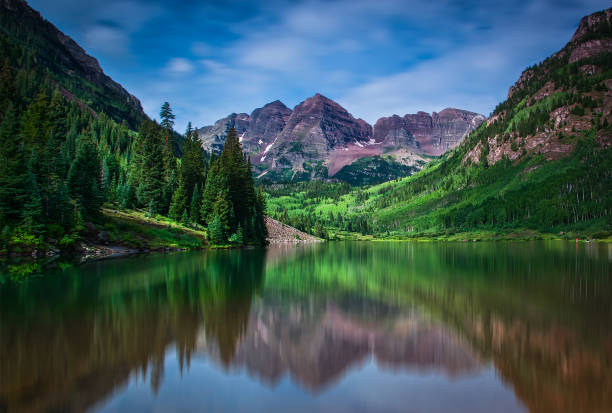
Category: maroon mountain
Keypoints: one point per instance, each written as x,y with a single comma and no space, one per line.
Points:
319,137
427,134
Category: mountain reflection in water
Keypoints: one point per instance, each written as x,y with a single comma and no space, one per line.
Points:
530,320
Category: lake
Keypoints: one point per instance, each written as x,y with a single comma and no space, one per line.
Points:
339,327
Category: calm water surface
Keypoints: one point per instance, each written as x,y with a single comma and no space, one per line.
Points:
341,327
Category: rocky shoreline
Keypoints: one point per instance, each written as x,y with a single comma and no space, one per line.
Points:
283,233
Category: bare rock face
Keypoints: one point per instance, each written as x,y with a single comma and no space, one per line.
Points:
427,134
593,23
319,137
316,127
590,48
325,124
213,136
267,122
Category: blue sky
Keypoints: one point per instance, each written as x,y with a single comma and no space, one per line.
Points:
375,57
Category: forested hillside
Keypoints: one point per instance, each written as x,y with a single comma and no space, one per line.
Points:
542,161
39,49
71,143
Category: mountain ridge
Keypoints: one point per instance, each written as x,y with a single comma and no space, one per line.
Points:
542,163
318,137
72,68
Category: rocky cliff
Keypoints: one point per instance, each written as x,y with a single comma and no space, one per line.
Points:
554,104
428,134
318,138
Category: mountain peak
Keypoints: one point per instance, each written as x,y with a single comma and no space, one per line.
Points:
594,25
276,103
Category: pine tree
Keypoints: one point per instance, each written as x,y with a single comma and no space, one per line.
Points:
167,123
13,175
215,232
84,179
150,190
261,231
35,122
215,182
230,177
166,116
8,94
33,209
196,201
178,204
192,162
222,211
240,235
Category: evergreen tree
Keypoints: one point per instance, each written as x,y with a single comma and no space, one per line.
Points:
84,179
178,204
13,175
33,209
231,176
192,162
222,211
150,190
35,122
8,94
185,218
166,116
215,182
215,231
167,123
196,201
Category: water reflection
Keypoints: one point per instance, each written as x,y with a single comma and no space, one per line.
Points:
539,313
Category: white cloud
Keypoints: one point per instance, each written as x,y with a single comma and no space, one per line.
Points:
108,40
179,66
277,54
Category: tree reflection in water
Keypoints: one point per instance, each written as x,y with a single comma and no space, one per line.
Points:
539,312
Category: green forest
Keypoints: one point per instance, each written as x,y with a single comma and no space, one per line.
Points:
79,163
61,163
452,198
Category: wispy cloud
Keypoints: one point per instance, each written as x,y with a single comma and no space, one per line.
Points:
179,66
377,57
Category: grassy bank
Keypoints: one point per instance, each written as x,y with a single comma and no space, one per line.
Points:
136,229
517,234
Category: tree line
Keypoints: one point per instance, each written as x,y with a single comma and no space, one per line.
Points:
60,162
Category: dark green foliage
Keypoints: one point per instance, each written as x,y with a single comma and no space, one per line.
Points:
166,116
150,168
193,165
84,179
373,170
61,155
35,50
215,233
178,204
229,200
13,175
33,208
196,202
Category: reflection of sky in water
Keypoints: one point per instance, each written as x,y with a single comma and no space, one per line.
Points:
365,387
335,327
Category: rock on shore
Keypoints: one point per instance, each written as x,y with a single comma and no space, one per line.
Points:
279,232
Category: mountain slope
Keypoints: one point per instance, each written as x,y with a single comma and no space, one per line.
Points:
542,161
26,37
318,138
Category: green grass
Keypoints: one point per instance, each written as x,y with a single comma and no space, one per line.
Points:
452,202
137,229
